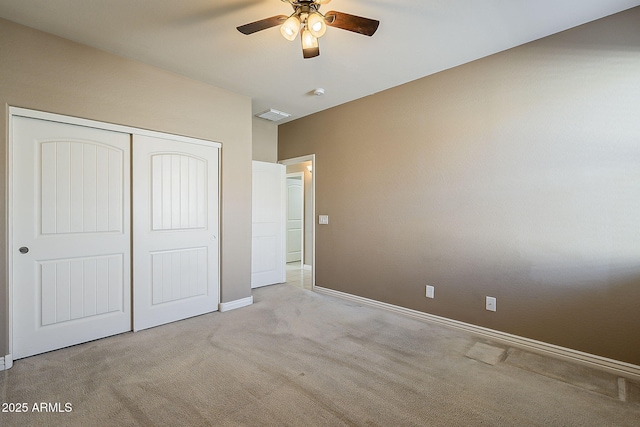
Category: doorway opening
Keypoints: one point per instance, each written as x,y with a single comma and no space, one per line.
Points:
300,241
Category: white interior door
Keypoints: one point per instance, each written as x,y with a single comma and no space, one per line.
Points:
176,225
71,235
268,225
295,217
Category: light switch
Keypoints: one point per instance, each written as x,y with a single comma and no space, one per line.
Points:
491,303
430,290
323,219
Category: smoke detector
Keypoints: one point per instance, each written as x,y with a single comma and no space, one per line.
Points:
318,92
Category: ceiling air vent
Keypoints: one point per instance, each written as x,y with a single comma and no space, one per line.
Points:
273,115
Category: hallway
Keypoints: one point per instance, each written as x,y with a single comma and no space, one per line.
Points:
298,275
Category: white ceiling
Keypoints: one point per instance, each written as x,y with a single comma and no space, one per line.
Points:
198,39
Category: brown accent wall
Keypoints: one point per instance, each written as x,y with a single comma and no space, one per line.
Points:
515,176
43,72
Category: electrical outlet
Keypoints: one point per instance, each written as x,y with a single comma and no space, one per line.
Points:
323,219
491,303
429,293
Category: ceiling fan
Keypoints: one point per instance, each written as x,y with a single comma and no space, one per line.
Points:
307,20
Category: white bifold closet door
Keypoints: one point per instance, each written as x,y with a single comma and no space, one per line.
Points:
175,222
71,235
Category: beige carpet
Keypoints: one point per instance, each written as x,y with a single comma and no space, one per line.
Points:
296,358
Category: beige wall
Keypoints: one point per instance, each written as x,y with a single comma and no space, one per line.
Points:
44,72
515,176
265,141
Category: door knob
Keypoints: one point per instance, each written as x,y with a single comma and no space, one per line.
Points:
24,250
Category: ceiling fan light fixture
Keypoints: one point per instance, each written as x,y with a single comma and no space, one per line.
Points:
316,24
290,28
307,21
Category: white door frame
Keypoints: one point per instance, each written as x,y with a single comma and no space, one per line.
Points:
312,159
35,114
301,176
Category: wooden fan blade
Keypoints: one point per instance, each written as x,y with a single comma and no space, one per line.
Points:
262,24
354,23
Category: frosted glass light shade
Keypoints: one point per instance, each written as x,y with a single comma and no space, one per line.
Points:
309,41
316,24
290,28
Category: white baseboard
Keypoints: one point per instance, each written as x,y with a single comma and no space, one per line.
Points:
6,362
616,367
232,305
